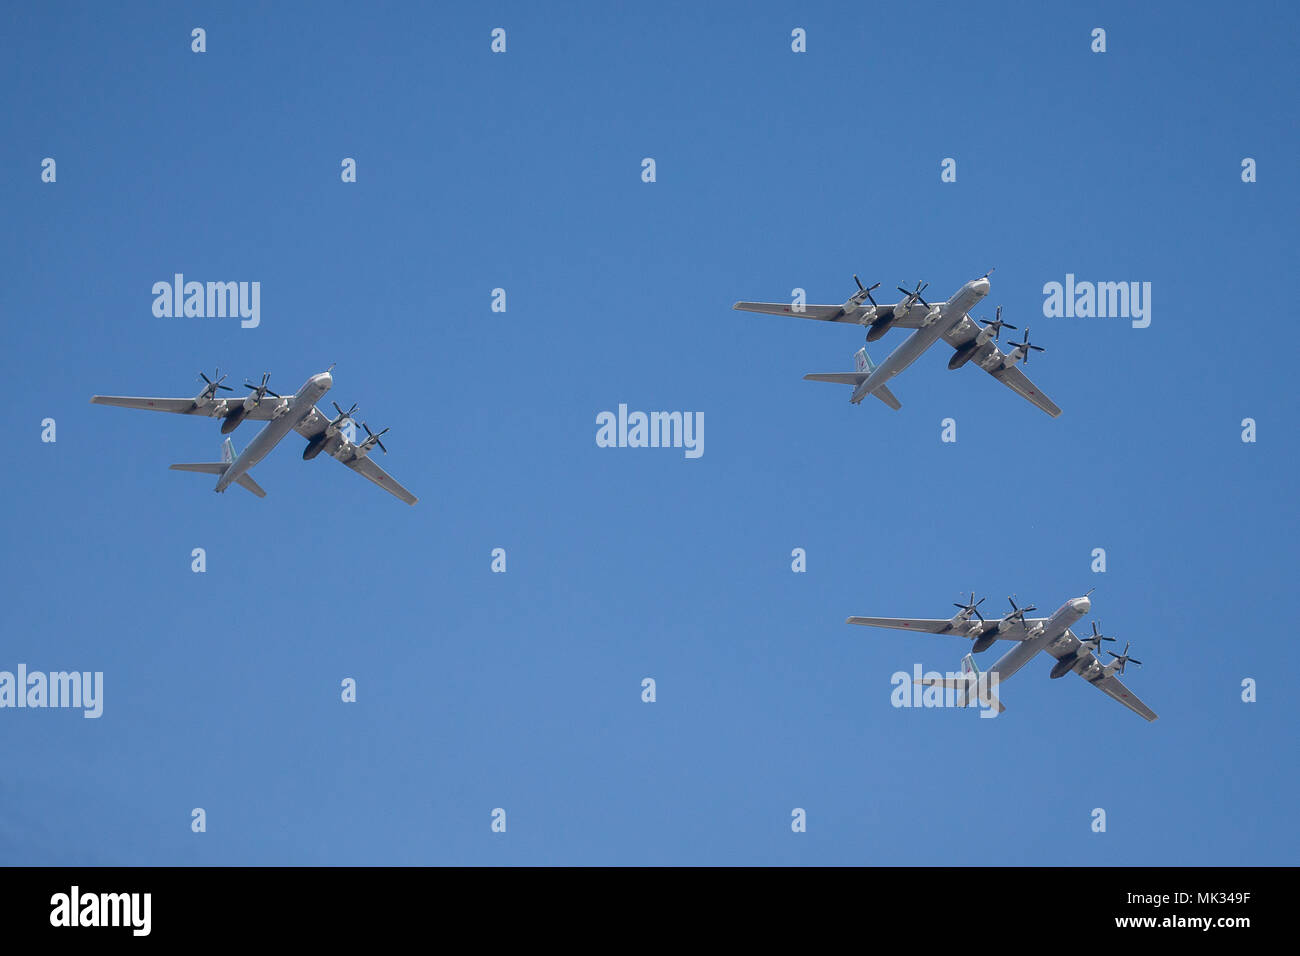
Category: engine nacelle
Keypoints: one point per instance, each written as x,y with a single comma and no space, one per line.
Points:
963,354
985,642
879,328
315,446
233,419
1064,666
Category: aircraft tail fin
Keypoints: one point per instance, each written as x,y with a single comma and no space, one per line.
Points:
221,467
978,692
863,368
970,691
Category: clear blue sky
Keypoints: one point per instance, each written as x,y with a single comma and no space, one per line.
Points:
522,690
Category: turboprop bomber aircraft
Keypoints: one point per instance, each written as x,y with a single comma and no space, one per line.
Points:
949,321
1029,635
297,412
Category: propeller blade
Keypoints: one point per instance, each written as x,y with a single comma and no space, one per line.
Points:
859,282
375,437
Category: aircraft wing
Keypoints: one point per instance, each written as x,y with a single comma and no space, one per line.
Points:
904,624
1019,383
264,411
178,406
314,424
1108,684
929,626
1012,377
835,313
1111,686
823,313
367,468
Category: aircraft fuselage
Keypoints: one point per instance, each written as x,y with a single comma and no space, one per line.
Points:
295,409
1052,629
949,315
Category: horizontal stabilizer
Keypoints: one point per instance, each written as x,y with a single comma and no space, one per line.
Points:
219,468
837,378
203,467
886,396
246,481
968,685
855,379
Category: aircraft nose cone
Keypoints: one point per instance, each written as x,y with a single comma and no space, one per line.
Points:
1082,605
981,286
